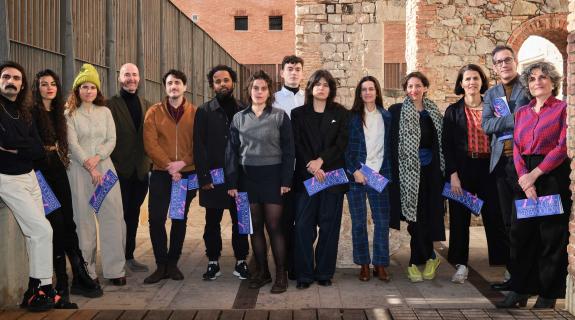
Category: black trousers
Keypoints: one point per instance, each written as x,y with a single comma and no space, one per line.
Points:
158,205
475,178
213,237
65,238
288,223
539,245
134,192
421,242
321,210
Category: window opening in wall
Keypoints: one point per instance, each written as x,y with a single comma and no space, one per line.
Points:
241,23
276,23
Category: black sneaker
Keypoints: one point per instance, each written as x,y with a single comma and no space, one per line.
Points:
213,272
36,300
241,271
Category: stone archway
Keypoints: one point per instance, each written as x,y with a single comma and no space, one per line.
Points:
552,27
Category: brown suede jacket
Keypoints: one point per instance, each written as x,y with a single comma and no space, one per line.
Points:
165,140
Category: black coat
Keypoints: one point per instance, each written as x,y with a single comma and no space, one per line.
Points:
211,134
436,225
454,138
333,133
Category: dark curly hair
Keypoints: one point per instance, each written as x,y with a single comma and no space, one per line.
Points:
51,131
221,67
23,99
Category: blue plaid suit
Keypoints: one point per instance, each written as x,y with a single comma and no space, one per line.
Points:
355,155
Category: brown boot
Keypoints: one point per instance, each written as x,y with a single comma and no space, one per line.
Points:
364,272
156,276
380,273
281,283
262,278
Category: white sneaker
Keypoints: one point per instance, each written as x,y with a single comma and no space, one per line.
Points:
461,274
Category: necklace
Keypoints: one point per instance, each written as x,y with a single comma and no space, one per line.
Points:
8,113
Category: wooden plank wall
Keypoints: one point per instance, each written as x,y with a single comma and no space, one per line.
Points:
170,40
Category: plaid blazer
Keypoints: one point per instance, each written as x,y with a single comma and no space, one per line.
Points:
356,152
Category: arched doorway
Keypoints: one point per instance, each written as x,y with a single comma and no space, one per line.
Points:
552,27
536,49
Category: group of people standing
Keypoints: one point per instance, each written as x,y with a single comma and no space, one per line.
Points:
267,149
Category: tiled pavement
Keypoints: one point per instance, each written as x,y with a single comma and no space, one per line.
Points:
348,298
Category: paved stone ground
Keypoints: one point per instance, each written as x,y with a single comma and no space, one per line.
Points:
227,292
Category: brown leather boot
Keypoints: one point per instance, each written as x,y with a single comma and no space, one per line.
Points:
380,273
156,276
260,279
281,283
364,272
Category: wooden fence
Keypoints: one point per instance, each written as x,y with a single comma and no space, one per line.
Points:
153,34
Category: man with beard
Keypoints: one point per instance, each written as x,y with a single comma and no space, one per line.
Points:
20,145
132,164
211,133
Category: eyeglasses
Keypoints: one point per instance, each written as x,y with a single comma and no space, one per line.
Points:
507,60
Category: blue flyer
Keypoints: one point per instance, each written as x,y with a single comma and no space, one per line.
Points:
49,199
217,178
244,214
178,199
332,178
501,109
374,179
471,201
543,206
108,181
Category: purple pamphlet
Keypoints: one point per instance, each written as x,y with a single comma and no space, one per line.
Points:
178,199
244,214
217,178
374,179
501,109
49,199
468,199
108,181
543,206
332,178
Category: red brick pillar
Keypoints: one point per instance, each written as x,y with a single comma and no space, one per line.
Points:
570,74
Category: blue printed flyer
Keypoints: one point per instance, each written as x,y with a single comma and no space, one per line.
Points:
501,109
217,178
178,199
49,199
543,206
471,201
374,179
332,178
244,214
108,181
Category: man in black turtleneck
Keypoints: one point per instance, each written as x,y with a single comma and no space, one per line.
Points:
20,145
211,132
132,164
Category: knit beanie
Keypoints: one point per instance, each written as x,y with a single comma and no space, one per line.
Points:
87,74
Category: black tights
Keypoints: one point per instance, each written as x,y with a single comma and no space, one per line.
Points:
271,215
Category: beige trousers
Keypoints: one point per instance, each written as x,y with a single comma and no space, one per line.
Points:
22,195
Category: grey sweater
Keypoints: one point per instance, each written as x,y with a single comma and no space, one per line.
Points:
262,141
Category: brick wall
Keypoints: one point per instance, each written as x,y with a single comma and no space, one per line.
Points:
394,41
570,72
257,45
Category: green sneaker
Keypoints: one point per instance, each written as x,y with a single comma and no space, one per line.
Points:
413,274
430,267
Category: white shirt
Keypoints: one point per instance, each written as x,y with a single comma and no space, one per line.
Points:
374,131
288,101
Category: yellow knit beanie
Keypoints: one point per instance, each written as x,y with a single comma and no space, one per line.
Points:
87,74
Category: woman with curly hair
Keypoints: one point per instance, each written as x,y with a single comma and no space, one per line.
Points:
48,113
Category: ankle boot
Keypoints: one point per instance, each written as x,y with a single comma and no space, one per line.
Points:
544,303
281,283
513,300
160,273
261,278
82,283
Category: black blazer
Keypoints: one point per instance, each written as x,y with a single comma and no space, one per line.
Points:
454,140
333,136
211,134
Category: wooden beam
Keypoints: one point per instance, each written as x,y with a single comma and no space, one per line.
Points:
111,46
140,51
67,44
4,36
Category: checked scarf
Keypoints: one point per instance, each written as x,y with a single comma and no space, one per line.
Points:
408,152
